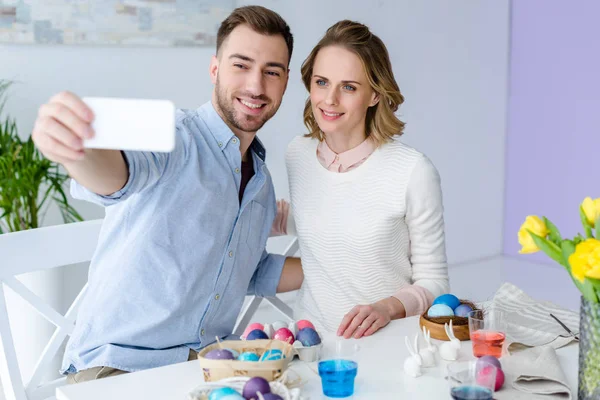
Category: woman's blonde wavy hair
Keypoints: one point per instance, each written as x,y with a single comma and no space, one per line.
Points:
381,123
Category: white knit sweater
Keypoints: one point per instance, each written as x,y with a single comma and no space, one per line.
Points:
367,233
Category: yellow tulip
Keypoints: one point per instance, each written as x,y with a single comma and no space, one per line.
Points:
591,209
585,261
534,224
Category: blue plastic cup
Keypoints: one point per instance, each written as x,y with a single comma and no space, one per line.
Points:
337,377
338,369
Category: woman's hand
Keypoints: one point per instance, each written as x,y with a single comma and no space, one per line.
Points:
365,320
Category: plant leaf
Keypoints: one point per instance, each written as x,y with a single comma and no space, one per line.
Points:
585,223
567,248
554,233
551,249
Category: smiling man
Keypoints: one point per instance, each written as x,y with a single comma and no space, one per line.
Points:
185,232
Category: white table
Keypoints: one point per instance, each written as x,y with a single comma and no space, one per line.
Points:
380,374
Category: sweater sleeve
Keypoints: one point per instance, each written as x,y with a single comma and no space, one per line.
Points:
425,221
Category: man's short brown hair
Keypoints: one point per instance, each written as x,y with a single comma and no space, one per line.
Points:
261,20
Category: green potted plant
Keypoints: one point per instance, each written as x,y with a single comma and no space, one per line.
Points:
29,183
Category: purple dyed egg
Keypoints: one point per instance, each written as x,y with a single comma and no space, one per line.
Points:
481,362
272,396
308,337
256,334
219,354
255,385
463,310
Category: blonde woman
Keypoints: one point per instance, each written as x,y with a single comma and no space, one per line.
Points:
367,208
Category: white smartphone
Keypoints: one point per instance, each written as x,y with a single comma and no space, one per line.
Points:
132,124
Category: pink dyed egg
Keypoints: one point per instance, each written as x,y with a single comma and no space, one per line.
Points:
483,376
285,335
304,323
251,327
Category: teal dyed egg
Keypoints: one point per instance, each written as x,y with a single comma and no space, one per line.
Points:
248,356
440,310
448,299
221,393
271,355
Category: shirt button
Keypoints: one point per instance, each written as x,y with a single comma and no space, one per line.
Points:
217,297
234,140
220,144
230,254
202,332
237,170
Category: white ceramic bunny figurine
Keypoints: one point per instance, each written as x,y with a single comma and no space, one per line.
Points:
449,350
428,353
412,364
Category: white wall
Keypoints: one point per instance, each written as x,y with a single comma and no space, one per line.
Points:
450,59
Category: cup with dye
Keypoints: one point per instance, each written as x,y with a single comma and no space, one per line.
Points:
487,329
338,368
471,380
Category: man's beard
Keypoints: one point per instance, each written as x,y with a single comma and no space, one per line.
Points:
243,122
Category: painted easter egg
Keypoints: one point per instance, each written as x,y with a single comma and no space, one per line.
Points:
269,330
256,334
255,385
221,393
440,310
304,323
277,325
272,396
235,353
251,327
482,361
271,355
219,354
484,373
308,337
448,299
285,335
463,310
248,356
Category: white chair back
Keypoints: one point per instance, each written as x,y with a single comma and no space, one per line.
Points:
46,248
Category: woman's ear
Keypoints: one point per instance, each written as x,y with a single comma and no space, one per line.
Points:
374,99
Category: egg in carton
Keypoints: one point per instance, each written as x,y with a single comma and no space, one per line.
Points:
308,344
301,334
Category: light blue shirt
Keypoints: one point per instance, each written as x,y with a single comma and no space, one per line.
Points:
177,252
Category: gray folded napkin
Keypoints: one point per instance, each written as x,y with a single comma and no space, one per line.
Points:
533,374
529,320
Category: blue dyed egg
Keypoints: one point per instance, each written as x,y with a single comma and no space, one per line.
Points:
448,299
440,310
271,355
256,334
308,337
221,393
463,310
248,356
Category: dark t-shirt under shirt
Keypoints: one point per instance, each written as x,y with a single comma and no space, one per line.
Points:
247,174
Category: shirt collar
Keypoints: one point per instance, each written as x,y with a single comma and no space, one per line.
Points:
347,158
222,133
